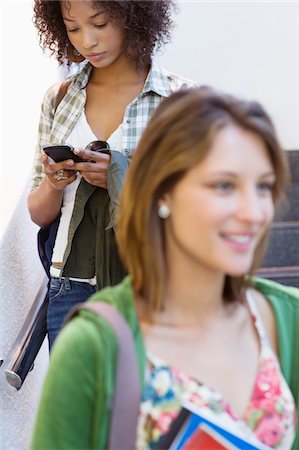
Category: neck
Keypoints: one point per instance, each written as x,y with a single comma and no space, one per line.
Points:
121,72
194,294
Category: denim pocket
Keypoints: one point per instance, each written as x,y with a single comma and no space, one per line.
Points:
55,289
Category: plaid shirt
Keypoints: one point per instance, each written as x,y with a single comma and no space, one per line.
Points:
55,126
100,258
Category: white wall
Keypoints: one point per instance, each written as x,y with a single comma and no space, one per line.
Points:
248,48
25,75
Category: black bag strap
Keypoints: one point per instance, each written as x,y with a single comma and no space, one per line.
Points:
127,394
61,93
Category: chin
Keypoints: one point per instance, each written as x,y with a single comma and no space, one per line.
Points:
238,271
236,274
240,266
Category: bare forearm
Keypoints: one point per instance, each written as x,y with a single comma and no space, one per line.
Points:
44,203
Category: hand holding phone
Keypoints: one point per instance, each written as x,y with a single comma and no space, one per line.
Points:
97,155
61,153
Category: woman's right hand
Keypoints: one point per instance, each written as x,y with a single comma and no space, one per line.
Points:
59,175
45,201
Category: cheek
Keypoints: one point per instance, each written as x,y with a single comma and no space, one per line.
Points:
74,39
207,216
115,37
217,211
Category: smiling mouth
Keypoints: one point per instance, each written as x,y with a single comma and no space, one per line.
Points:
244,239
239,239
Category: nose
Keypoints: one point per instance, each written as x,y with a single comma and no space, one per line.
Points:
88,39
254,208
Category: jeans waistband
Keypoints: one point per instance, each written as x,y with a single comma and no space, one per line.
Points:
55,273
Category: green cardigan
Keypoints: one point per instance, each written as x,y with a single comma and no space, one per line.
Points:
74,411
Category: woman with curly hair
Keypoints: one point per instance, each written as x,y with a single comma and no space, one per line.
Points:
104,107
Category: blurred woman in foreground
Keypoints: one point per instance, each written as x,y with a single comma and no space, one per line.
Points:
194,216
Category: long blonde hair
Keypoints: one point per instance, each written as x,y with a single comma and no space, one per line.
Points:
178,137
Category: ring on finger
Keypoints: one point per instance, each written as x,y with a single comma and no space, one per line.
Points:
59,175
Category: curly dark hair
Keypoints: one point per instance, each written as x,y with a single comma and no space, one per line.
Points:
147,26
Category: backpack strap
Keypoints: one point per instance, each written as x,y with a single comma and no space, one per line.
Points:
127,393
61,93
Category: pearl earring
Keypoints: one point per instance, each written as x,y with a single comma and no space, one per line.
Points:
163,212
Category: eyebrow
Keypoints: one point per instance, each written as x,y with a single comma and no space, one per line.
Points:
234,175
91,17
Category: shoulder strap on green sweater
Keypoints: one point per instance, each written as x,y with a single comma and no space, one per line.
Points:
127,393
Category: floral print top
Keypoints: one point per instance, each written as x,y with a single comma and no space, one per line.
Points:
270,416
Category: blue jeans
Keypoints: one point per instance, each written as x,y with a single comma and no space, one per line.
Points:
63,295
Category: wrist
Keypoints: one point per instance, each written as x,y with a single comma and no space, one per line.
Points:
52,186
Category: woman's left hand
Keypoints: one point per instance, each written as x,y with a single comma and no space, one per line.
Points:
94,170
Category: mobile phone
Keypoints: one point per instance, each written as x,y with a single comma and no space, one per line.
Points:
102,150
62,152
99,146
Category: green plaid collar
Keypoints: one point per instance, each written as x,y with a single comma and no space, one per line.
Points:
157,80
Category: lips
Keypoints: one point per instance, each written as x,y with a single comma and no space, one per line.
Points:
239,241
239,238
95,56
